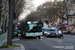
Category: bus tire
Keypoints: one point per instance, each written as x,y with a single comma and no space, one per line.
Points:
39,37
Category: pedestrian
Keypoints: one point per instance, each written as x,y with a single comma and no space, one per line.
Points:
59,22
49,24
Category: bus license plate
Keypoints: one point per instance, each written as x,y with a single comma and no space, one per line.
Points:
34,34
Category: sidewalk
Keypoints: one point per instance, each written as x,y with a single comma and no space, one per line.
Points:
2,37
15,48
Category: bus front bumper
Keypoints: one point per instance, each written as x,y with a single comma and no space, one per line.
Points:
33,35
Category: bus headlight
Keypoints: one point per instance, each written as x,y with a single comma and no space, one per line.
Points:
45,32
48,33
60,32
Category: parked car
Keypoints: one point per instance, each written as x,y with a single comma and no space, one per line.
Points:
53,32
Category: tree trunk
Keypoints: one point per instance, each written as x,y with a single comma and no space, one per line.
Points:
3,23
0,19
10,28
0,12
6,24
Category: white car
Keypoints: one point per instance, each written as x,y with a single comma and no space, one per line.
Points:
53,32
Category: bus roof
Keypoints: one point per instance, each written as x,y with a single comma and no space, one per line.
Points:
33,20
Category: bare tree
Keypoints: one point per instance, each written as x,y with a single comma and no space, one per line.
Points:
0,11
10,29
18,6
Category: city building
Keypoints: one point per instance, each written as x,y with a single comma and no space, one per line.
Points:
71,12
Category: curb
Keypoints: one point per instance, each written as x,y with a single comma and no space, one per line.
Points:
22,47
17,39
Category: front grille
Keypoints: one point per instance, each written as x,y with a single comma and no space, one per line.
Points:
53,33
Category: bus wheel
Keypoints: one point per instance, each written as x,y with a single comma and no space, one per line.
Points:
40,37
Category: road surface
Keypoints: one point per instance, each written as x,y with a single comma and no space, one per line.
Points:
49,43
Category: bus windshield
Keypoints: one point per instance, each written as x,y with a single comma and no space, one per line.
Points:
34,28
31,26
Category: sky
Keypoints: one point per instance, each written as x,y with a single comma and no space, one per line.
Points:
33,7
38,2
35,3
